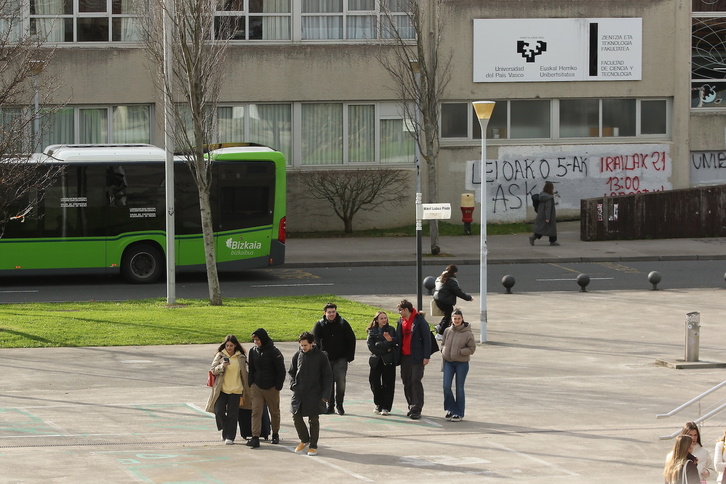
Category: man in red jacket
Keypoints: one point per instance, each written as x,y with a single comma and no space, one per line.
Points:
414,336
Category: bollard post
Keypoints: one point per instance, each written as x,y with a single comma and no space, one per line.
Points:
693,328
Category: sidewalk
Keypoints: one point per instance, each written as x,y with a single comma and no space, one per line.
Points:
501,249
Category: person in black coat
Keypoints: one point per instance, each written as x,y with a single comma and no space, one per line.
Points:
414,343
336,338
382,343
445,293
266,377
310,381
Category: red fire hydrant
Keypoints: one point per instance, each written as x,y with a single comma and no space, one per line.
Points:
467,211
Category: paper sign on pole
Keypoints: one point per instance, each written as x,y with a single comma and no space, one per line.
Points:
436,211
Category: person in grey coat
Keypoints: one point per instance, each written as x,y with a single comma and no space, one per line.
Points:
311,380
546,221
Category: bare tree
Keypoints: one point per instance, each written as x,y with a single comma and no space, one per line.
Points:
198,49
349,191
23,84
420,74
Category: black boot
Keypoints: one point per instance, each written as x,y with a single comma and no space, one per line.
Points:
275,438
331,408
254,442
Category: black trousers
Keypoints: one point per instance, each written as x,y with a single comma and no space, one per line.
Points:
383,384
226,409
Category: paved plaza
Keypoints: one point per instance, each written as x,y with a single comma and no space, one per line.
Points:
565,391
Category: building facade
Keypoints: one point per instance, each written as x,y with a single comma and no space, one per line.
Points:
601,98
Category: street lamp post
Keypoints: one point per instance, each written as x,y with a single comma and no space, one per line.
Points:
419,196
484,113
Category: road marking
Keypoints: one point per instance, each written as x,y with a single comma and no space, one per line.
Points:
291,285
336,467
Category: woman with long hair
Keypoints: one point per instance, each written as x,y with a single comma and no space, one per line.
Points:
719,460
704,463
445,293
456,350
680,467
382,377
230,367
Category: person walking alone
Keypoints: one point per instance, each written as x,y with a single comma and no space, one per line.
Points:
456,349
445,293
336,338
546,221
310,381
382,344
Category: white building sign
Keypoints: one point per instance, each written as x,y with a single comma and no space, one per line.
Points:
558,49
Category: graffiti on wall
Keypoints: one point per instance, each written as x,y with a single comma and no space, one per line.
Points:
577,172
708,167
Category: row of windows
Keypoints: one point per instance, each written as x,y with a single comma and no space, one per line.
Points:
560,118
242,20
708,53
342,133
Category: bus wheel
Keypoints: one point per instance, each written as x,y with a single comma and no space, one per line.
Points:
142,264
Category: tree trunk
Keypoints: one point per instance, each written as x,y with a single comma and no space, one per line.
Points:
433,198
215,293
348,223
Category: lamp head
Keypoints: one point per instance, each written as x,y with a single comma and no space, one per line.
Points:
483,109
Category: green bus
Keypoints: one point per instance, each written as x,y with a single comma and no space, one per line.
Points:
105,213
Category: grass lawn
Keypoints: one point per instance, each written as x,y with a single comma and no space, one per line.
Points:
151,322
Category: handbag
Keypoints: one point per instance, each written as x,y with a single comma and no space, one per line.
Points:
211,378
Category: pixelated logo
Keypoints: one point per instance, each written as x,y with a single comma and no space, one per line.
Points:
529,51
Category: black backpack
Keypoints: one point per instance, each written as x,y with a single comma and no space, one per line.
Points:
535,201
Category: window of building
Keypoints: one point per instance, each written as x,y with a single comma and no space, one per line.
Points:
708,53
84,20
559,119
105,124
353,19
253,20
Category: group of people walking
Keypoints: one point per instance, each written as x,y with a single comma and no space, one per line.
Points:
690,463
318,373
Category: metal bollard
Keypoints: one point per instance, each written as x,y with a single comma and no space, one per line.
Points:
693,329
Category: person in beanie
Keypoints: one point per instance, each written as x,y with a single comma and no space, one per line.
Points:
266,377
310,381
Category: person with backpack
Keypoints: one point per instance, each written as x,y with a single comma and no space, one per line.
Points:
445,293
546,221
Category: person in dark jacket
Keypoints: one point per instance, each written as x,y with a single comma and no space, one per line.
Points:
266,377
382,343
546,221
310,381
445,293
336,338
414,339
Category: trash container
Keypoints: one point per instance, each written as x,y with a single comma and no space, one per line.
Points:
693,329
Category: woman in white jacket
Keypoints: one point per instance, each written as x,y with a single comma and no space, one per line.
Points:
719,460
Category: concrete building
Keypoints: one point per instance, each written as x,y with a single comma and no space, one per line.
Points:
613,96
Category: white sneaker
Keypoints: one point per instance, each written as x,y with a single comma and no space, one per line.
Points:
377,411
456,418
385,412
228,442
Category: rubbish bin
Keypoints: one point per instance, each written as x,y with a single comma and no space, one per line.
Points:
693,329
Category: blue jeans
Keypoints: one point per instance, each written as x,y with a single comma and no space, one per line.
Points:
455,406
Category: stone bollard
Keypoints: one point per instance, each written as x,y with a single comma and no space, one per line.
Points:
693,329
